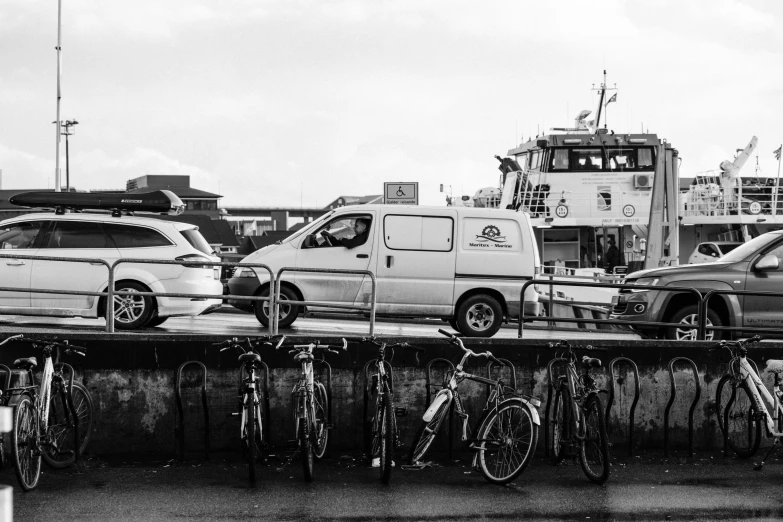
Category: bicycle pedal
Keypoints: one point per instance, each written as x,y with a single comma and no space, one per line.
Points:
235,414
400,412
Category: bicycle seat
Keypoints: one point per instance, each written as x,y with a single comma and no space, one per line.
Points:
303,356
250,358
591,362
26,364
775,366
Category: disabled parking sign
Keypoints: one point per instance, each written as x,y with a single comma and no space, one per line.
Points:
401,193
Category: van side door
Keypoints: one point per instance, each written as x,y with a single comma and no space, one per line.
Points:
416,263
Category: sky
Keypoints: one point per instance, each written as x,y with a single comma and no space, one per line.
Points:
297,102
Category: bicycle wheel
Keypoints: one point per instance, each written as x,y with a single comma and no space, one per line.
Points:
385,434
61,451
305,445
251,445
321,418
594,449
561,423
426,434
24,444
506,440
744,425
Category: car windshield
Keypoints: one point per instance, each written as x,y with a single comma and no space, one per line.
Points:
751,247
307,228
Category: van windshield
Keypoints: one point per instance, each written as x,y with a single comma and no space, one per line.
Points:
308,228
751,247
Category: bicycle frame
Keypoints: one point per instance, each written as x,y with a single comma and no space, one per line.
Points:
250,393
304,389
758,390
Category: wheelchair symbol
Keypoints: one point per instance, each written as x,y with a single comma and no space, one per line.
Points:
400,193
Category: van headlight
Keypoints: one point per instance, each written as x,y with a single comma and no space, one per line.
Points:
646,282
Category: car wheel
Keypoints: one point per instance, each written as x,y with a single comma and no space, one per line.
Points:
131,311
479,316
688,318
288,313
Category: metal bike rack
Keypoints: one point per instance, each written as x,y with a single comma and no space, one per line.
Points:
181,424
367,392
504,362
550,388
428,386
636,390
671,401
328,368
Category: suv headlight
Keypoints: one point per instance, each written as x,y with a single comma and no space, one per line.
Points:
646,282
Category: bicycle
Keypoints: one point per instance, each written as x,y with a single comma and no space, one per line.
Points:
52,420
383,434
311,405
507,429
741,417
253,440
578,418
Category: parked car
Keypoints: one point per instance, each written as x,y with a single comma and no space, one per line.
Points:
753,266
711,250
106,237
462,264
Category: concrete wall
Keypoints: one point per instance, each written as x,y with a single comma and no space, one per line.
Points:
132,383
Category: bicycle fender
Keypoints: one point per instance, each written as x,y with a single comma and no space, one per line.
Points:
440,398
524,402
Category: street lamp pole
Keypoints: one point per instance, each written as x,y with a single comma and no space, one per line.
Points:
66,129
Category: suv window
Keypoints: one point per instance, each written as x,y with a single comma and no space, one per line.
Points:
19,235
197,241
75,234
131,236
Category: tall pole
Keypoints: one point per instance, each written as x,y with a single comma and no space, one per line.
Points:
59,95
779,156
67,170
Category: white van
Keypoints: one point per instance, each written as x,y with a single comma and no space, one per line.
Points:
463,264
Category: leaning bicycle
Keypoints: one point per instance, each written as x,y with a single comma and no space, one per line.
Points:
578,419
507,429
52,420
739,404
252,437
383,432
311,404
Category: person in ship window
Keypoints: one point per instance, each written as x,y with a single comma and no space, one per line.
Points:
612,256
584,257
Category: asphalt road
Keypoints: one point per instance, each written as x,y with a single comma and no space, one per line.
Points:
231,322
707,487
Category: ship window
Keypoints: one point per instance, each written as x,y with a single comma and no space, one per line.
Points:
645,157
587,159
621,159
560,159
535,160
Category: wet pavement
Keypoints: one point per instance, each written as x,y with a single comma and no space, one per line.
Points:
706,487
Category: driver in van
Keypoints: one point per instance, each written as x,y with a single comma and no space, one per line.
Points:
361,228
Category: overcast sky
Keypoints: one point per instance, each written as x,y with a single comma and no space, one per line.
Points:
289,102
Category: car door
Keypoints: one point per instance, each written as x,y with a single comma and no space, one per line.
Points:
71,239
315,251
764,311
416,263
19,238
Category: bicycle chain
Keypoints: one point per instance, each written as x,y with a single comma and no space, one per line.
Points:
289,460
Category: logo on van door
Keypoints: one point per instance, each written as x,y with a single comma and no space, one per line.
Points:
491,233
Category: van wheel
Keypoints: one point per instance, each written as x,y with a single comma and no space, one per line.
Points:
288,313
688,318
479,316
131,311
453,324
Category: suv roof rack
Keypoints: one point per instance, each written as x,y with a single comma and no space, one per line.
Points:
158,202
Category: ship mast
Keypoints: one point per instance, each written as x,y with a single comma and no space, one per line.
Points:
601,103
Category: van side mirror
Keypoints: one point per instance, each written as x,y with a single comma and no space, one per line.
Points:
768,262
309,241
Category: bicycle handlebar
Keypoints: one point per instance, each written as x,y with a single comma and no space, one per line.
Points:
68,348
456,340
315,346
17,336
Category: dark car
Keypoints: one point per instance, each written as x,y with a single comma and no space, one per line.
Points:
754,266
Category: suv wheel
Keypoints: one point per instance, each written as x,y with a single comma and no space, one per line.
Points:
288,313
479,316
131,311
688,318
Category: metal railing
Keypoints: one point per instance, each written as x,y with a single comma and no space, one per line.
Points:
370,308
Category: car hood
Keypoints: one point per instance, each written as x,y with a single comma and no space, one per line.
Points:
679,270
252,258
